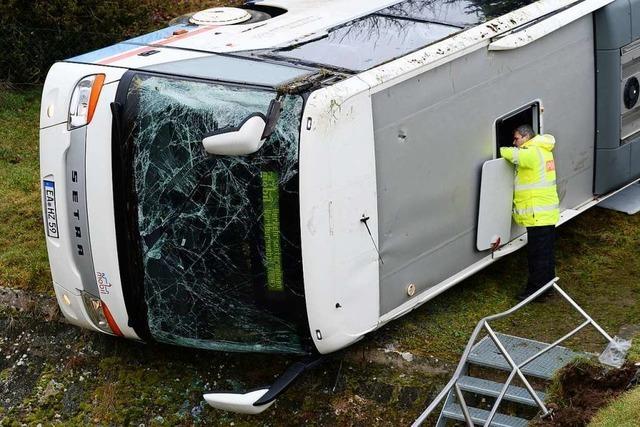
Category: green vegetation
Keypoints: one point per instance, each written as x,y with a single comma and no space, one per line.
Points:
38,33
129,383
634,352
624,412
23,256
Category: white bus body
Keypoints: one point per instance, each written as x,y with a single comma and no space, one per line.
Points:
362,204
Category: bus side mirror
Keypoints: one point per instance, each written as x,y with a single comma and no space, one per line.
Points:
246,138
240,141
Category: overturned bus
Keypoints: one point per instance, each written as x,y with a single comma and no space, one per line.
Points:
288,176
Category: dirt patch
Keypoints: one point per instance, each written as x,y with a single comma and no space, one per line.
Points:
581,388
22,301
393,357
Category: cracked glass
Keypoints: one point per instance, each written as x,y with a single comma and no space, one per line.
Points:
218,236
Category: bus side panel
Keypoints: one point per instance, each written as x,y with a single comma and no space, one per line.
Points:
434,132
337,215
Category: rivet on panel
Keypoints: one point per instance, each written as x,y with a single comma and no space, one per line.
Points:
411,290
402,136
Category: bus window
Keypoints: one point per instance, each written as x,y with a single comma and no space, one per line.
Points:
527,115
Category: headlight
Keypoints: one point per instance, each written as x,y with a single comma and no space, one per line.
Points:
100,315
84,100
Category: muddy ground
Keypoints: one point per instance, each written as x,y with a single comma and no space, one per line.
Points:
54,373
581,389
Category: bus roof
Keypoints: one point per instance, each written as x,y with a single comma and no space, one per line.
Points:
346,36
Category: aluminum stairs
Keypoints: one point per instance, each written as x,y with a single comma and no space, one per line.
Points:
483,381
486,355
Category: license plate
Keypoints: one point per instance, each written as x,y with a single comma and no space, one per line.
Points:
50,212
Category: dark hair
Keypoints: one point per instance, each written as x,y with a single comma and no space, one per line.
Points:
525,130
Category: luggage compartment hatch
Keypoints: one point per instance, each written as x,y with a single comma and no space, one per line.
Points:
496,198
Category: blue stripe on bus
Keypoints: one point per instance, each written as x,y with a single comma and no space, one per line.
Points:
100,54
146,39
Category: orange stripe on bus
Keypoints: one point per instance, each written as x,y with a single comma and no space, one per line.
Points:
111,321
163,42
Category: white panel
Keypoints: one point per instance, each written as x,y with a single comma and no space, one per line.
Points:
73,307
54,143
132,58
304,19
101,210
338,187
546,26
61,80
496,200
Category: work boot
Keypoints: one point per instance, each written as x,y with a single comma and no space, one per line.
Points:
527,293
530,291
524,294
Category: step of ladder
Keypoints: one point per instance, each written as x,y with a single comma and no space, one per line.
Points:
493,389
485,353
453,411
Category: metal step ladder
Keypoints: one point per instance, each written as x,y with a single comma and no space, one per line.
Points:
496,354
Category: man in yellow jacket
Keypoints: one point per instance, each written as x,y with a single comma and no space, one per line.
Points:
535,201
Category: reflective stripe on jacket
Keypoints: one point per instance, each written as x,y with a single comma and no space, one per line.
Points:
535,198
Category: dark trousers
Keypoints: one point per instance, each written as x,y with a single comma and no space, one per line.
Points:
540,255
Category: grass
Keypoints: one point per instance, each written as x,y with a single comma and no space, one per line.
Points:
634,352
623,412
23,256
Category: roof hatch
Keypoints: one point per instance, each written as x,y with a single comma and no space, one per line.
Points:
220,16
247,14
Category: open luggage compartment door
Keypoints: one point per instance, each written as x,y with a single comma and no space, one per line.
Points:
496,199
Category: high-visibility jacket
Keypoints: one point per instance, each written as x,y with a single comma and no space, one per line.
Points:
535,198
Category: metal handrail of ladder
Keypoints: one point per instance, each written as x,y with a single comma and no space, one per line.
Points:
516,369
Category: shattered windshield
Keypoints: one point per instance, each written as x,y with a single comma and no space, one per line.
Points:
219,236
